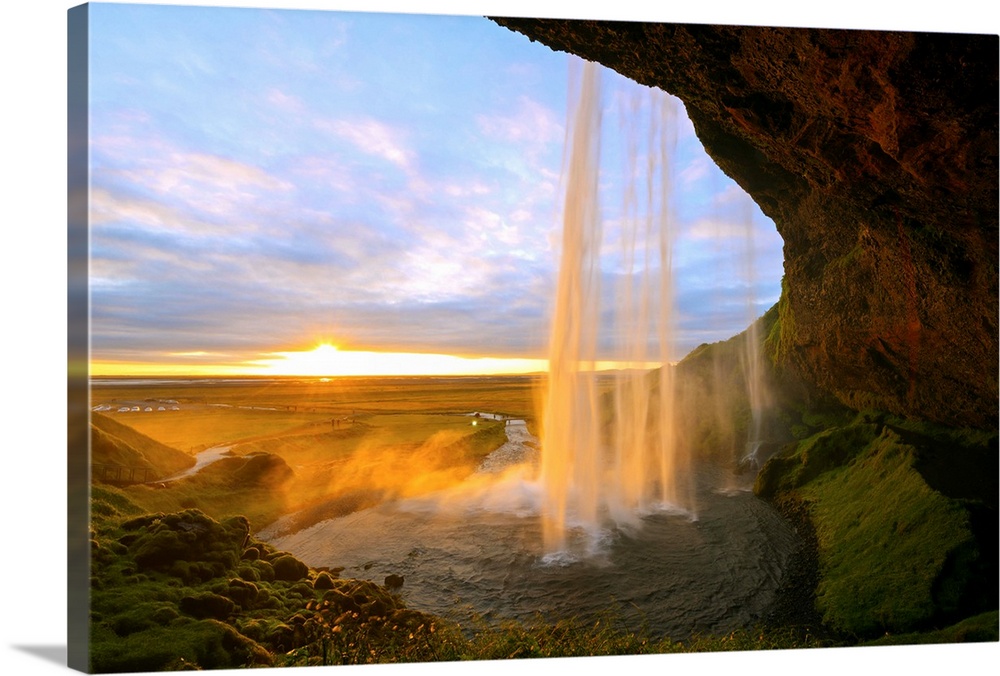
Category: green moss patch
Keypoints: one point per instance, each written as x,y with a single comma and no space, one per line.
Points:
822,452
895,555
180,645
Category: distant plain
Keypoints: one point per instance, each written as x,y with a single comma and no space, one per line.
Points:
347,442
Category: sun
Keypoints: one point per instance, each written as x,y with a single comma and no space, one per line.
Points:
325,359
324,351
328,360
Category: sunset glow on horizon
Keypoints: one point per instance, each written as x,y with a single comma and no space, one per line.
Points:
326,360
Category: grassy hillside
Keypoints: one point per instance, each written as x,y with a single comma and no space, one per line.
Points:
906,543
113,443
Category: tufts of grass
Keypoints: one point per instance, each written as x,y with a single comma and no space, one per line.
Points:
106,502
563,638
976,629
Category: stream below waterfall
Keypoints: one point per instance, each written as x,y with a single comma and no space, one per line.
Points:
476,550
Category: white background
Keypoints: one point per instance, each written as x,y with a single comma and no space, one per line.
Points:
33,333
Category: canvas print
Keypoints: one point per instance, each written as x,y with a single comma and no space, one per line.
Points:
426,338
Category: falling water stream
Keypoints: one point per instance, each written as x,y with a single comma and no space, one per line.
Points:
616,468
615,515
753,367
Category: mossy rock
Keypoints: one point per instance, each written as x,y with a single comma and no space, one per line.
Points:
128,539
287,568
143,617
207,605
196,572
261,630
140,522
800,463
264,570
324,581
281,637
302,589
165,615
249,573
271,554
243,593
189,536
889,565
341,601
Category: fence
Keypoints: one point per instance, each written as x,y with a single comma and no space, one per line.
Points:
120,474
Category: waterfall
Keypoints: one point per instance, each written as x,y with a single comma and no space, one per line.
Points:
609,452
753,367
571,434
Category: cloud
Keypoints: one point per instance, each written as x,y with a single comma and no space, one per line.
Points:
698,169
372,138
107,207
153,180
195,176
490,228
284,102
327,173
473,188
530,123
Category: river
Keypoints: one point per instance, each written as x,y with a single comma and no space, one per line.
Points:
476,550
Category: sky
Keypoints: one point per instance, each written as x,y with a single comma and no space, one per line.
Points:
265,181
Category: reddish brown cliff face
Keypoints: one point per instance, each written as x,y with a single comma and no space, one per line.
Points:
875,153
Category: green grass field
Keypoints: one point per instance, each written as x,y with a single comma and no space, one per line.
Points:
341,444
